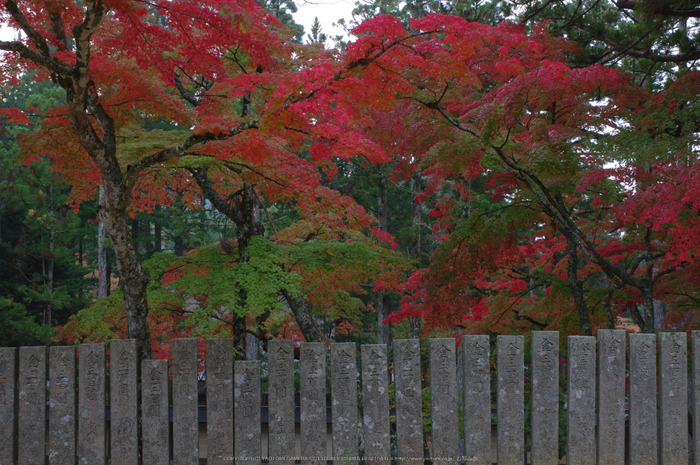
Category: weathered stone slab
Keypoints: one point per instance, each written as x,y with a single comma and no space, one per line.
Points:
344,403
91,404
123,402
313,403
61,405
611,396
7,404
511,396
459,356
476,401
695,406
246,396
409,415
32,405
643,417
219,401
281,402
443,401
185,418
673,398
375,404
545,397
581,443
155,413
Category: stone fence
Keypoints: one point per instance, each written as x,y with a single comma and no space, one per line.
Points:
78,405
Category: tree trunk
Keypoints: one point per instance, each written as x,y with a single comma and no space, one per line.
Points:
133,279
647,323
577,290
102,276
416,322
50,284
149,242
384,332
301,309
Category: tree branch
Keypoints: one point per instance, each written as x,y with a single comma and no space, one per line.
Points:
35,37
29,54
133,170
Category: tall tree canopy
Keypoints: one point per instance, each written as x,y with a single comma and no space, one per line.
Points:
550,185
568,154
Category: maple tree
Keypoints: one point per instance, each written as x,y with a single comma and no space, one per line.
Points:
542,181
241,101
117,65
544,134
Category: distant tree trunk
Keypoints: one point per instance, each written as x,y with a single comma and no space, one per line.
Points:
102,275
149,242
157,236
383,329
417,189
416,322
50,284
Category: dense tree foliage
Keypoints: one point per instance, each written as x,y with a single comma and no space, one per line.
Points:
446,169
42,243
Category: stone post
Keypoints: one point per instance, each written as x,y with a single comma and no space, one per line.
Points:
545,397
409,414
281,402
443,401
123,402
91,404
643,418
511,397
61,405
32,405
477,400
155,402
580,446
7,404
246,395
344,403
185,402
611,396
313,403
375,404
674,398
219,374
